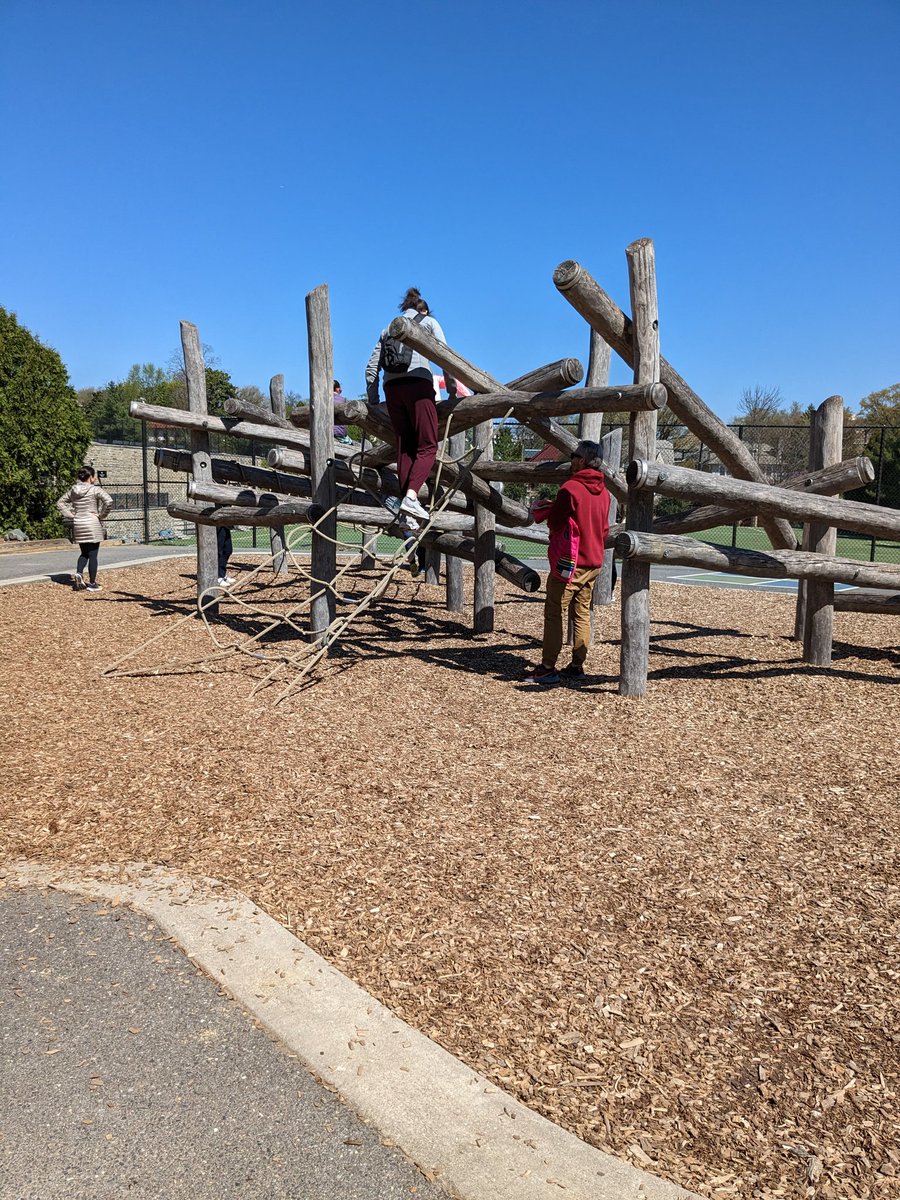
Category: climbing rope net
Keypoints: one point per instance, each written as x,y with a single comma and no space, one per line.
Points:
289,668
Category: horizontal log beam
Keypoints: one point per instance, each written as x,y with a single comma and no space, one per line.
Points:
774,564
604,315
246,410
225,470
830,481
683,483
866,602
179,418
506,565
533,473
561,374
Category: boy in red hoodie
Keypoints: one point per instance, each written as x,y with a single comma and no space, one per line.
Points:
578,520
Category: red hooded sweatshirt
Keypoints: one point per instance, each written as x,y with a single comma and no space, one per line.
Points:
578,520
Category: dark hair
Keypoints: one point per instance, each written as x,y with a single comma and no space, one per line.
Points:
413,299
335,385
85,473
589,452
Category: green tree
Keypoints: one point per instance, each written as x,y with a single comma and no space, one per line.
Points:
107,408
43,431
881,410
509,448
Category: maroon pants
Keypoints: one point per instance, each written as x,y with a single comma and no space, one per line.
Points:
411,407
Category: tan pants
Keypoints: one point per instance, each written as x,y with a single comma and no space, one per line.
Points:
576,593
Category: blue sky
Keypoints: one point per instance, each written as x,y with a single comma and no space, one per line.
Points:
216,161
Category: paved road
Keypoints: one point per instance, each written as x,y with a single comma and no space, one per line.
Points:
124,1072
31,566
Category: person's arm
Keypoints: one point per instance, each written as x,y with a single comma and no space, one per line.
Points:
104,504
64,504
372,369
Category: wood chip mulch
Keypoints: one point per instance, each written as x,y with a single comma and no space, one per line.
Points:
669,925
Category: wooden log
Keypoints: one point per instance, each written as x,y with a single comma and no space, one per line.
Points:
826,443
604,315
178,418
866,602
289,512
563,373
300,416
831,481
321,453
590,428
225,470
485,542
772,564
611,445
306,512
246,410
456,447
682,482
354,514
506,565
280,563
201,459
534,473
223,493
634,655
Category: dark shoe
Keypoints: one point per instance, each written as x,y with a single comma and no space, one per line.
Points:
79,582
541,674
573,671
94,587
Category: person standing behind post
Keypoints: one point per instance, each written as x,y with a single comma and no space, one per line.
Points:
411,407
578,520
338,397
85,506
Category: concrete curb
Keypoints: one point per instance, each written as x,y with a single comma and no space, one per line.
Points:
460,1129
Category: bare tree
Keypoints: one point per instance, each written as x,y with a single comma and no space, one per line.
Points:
760,406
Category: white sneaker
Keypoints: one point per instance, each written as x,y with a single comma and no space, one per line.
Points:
411,506
225,581
79,581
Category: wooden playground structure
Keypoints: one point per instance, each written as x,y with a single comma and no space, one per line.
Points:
316,484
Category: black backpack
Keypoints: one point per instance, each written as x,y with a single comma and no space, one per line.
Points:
396,356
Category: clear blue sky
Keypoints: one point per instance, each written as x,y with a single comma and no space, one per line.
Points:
215,161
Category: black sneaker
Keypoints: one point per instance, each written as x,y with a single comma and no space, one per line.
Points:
93,587
78,582
573,671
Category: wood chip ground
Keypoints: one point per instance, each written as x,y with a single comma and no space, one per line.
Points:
669,925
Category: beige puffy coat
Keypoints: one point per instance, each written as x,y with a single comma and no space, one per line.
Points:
85,505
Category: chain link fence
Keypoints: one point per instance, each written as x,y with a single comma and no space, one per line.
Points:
141,491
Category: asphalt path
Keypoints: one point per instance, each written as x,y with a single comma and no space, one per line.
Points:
124,1071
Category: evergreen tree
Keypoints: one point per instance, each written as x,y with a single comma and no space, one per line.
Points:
43,432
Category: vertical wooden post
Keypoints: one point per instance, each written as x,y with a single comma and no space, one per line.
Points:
201,461
433,566
611,451
485,541
590,425
635,652
590,429
321,455
456,447
826,448
279,552
368,544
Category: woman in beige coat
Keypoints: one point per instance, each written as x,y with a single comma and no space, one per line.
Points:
84,506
